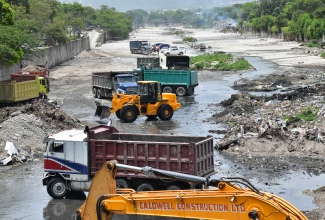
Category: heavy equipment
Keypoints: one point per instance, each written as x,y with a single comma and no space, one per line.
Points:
228,200
148,101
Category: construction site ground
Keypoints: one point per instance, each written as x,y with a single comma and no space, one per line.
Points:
245,111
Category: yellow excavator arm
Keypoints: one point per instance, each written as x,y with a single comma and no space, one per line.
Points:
227,201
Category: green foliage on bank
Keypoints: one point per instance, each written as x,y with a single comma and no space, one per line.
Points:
220,62
26,25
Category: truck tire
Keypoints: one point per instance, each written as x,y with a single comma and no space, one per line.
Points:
167,89
145,187
57,188
173,187
181,53
95,92
167,54
118,114
128,114
122,184
190,91
165,112
99,93
181,91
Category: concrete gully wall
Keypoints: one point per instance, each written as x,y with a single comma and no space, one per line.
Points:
52,56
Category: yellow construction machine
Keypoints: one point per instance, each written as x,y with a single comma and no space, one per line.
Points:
148,101
230,199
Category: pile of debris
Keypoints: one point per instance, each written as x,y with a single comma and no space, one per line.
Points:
27,126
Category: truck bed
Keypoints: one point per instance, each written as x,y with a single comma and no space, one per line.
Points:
172,77
185,154
12,91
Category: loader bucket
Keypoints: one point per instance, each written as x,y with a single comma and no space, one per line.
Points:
102,111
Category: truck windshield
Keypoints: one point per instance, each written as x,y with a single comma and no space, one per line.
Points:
126,79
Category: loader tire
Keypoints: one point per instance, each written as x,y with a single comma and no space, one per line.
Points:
181,91
165,112
128,114
57,188
145,187
118,114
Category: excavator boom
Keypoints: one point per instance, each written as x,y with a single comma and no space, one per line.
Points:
227,201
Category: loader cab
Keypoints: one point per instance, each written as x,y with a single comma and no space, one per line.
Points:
149,92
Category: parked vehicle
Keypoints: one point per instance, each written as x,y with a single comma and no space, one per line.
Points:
177,79
149,101
174,50
105,83
155,47
73,157
163,47
140,47
22,89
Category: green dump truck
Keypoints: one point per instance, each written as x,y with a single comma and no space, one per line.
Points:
22,89
176,79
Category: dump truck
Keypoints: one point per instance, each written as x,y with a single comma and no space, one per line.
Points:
231,198
140,47
22,89
105,83
153,62
73,157
176,79
149,101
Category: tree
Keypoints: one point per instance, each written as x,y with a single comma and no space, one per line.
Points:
7,16
10,45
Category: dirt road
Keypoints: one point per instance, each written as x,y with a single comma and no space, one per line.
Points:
71,88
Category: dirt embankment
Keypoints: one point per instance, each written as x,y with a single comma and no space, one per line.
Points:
26,126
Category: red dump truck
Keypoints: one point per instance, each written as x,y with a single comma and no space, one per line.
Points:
73,157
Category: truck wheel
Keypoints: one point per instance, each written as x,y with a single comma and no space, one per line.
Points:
190,91
167,54
181,91
167,89
95,92
128,114
99,93
57,188
122,184
173,187
165,112
145,187
181,53
118,114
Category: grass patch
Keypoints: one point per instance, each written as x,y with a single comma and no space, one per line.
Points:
221,62
322,54
307,115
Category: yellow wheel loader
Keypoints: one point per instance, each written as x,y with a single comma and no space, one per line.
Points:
148,101
231,198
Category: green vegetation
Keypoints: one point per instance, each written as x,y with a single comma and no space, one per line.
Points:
307,115
221,62
25,25
322,54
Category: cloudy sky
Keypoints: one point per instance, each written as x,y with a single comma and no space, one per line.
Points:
124,5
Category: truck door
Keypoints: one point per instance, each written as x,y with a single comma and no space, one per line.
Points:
67,158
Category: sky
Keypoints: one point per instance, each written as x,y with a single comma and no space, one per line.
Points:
153,5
